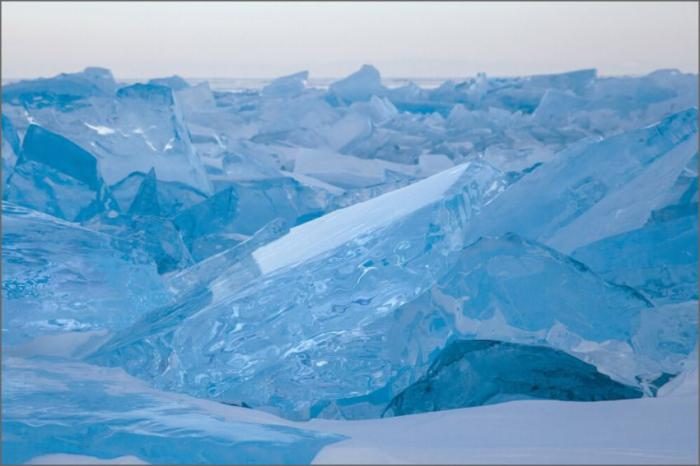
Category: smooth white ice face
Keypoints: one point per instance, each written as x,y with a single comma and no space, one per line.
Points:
336,228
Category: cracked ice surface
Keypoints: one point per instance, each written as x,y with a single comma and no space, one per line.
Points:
197,275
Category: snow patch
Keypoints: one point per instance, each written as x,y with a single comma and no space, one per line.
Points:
338,227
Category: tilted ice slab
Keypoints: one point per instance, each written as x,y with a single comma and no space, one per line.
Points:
296,321
329,289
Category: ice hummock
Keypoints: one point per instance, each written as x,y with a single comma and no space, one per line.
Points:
571,229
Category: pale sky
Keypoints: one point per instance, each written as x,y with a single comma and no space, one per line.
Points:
422,40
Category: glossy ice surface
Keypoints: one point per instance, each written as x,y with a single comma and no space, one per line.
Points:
346,253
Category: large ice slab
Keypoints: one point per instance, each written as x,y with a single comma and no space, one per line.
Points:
323,307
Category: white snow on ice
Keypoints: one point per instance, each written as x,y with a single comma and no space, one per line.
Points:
340,226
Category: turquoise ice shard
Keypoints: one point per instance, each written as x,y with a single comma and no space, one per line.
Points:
324,295
47,288
56,176
156,236
146,225
479,372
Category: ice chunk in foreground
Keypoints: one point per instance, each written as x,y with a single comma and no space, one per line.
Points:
325,301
